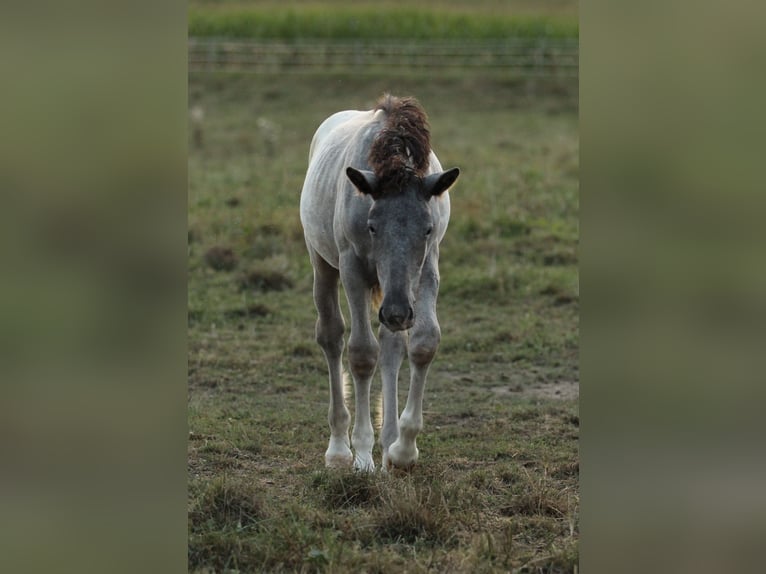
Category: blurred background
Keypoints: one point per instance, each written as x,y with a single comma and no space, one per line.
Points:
95,250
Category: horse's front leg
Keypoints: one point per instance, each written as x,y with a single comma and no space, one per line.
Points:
362,358
392,349
424,338
329,335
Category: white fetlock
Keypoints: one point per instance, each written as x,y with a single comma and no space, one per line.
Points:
338,454
402,456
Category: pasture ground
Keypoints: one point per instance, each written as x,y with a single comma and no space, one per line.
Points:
496,488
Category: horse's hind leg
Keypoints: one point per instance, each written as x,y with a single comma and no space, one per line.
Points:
329,335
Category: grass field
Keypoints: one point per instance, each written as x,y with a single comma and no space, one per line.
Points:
445,19
496,488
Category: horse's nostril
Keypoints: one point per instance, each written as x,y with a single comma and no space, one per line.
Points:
396,316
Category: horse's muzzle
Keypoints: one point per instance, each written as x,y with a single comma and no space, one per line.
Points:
397,317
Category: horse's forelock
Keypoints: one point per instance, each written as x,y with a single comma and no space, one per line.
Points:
402,147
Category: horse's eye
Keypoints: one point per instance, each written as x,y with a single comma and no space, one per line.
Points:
428,231
372,229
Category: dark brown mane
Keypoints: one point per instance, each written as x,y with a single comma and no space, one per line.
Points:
401,149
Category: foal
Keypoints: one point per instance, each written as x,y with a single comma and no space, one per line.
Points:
374,208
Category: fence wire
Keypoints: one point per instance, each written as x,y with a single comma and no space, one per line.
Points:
515,56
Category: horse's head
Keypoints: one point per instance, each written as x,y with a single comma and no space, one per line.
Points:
401,229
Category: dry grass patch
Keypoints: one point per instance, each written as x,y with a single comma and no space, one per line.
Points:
344,489
411,514
225,503
537,494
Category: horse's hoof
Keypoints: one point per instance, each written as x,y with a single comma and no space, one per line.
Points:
398,470
364,464
401,458
338,460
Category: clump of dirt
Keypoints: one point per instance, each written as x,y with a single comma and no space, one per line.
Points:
252,310
560,295
265,280
559,258
221,258
302,351
565,300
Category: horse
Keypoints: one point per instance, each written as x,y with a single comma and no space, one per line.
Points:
374,209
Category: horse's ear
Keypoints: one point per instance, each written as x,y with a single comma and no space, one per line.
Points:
438,183
364,181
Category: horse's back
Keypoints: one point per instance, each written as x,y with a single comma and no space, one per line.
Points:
337,120
329,151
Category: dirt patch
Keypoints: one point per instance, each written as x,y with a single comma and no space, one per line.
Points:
221,258
252,310
517,385
265,280
559,390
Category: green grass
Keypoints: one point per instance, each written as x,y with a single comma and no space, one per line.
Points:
333,20
496,488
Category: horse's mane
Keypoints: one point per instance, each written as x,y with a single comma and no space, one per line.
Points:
401,149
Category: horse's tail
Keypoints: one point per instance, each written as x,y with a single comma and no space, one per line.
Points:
377,298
